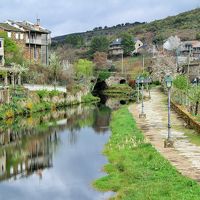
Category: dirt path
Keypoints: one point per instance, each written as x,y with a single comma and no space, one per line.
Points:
185,156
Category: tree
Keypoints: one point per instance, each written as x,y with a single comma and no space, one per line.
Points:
83,69
127,43
55,65
198,36
158,39
13,53
181,82
194,95
100,60
99,44
75,40
172,43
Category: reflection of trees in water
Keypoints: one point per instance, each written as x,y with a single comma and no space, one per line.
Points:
102,116
30,142
72,137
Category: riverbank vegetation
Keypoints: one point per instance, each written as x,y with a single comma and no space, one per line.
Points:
25,102
136,170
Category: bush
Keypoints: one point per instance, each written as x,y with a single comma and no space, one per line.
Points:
42,94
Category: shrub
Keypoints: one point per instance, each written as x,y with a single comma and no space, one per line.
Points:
42,94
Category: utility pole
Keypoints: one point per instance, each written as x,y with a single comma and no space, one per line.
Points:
188,74
143,64
122,62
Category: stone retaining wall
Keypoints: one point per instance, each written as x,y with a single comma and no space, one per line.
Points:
187,117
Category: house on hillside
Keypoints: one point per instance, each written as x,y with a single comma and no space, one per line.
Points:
190,47
33,38
1,52
138,44
116,48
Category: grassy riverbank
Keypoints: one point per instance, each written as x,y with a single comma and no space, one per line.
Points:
136,170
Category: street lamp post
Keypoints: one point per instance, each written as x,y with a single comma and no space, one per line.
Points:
169,142
142,114
138,89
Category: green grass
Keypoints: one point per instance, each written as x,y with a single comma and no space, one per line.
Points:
136,170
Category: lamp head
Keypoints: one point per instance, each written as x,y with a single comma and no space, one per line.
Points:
141,79
168,81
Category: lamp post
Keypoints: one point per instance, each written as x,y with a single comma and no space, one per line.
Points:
142,114
168,142
138,89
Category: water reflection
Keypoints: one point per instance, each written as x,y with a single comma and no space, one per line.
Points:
41,146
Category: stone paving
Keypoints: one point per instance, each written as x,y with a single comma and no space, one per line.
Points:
185,156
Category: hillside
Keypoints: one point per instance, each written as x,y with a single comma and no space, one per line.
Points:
107,31
186,25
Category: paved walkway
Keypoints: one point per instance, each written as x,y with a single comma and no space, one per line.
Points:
185,156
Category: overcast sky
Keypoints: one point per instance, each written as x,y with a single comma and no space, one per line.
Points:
68,16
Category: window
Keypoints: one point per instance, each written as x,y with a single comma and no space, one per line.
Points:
9,34
21,36
17,36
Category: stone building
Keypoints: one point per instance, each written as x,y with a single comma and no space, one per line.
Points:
190,47
116,47
1,52
33,38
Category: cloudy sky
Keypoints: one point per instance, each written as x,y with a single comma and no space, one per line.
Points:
68,16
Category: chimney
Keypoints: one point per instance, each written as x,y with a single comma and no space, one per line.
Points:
38,22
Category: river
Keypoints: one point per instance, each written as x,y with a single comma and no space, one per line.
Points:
54,155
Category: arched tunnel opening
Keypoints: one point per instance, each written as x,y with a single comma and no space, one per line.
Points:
122,81
123,102
98,91
100,85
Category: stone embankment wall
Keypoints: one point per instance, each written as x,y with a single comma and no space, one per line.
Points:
187,117
68,98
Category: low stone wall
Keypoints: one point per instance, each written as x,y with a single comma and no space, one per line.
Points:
187,117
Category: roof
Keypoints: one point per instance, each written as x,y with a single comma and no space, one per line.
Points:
118,41
193,43
28,26
8,27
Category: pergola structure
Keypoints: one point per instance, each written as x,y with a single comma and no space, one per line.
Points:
13,72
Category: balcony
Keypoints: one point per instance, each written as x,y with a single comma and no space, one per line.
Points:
36,41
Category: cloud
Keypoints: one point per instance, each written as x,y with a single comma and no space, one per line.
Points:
69,16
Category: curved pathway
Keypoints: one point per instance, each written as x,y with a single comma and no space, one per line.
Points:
185,156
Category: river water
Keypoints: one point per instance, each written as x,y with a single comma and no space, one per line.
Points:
54,155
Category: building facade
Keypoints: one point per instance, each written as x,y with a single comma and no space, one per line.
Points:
33,39
116,48
190,47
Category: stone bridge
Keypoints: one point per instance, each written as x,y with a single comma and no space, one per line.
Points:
113,80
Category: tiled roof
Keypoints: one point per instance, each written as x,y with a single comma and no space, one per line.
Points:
118,41
193,43
32,27
8,27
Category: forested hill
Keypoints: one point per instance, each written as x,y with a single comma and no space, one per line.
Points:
107,31
186,25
